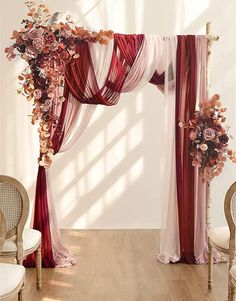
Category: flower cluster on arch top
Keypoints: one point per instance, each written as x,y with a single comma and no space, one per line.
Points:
47,46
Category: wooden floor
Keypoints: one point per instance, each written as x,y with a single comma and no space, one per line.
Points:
120,265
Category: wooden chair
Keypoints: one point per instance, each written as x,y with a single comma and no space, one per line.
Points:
20,242
11,275
223,239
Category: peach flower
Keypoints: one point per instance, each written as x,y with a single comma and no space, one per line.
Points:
203,147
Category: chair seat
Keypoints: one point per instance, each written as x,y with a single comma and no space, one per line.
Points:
233,272
220,237
31,240
11,276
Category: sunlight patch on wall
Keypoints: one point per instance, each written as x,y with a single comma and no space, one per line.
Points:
115,156
95,147
139,102
193,9
135,135
81,222
115,191
67,207
136,170
117,12
95,174
97,114
139,8
66,175
95,211
116,125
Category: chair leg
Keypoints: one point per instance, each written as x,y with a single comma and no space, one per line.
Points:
39,267
210,265
231,288
233,292
20,294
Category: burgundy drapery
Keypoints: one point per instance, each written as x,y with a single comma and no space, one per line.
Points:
185,107
41,222
41,212
126,48
80,81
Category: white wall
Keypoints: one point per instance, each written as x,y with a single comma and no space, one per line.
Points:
110,178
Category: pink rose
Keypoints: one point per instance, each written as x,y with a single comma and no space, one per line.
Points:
53,46
37,94
209,134
24,36
38,43
36,33
31,51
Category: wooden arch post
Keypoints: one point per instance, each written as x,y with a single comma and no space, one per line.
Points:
210,39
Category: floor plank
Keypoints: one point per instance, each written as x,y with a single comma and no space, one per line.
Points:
120,265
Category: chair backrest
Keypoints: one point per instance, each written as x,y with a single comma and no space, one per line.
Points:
3,230
14,204
230,214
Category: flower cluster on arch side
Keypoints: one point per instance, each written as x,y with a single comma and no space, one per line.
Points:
209,138
47,47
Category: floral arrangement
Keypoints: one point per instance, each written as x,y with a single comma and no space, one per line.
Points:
209,139
47,47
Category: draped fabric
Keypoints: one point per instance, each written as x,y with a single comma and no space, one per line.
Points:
169,238
41,222
99,76
185,107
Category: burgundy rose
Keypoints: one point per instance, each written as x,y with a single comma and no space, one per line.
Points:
21,48
38,43
40,83
209,134
224,139
71,42
64,55
211,144
214,154
49,38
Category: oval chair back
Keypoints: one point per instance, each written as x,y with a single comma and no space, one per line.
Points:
230,214
14,204
3,230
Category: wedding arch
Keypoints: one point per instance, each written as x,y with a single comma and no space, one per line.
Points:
71,70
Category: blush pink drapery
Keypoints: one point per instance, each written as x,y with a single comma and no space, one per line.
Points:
129,62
